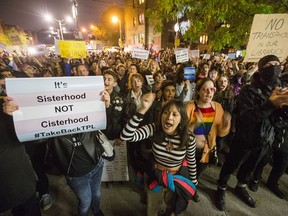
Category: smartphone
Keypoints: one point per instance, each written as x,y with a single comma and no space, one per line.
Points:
189,73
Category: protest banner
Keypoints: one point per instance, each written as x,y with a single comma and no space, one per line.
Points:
72,49
56,106
181,55
140,53
268,36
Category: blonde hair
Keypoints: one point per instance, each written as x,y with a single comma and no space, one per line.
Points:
136,75
150,63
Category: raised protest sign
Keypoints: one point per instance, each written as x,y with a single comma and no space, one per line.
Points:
140,53
56,106
269,35
181,55
150,79
206,56
72,49
194,53
116,170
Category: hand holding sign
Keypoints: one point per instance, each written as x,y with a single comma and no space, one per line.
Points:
105,97
9,106
56,106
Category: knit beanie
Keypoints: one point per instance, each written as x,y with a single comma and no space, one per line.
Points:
266,59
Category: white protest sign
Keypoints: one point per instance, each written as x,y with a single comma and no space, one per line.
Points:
116,170
194,53
268,36
231,55
56,106
150,79
140,53
57,50
207,56
181,55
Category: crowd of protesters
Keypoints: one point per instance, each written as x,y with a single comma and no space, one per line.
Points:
173,126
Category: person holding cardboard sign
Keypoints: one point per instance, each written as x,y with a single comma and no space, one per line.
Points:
80,158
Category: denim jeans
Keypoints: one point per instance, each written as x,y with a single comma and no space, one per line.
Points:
87,189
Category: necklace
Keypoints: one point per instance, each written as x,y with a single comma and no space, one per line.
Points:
169,146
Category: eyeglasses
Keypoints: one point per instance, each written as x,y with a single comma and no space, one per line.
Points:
206,90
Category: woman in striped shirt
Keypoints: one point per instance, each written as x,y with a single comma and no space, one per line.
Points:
171,146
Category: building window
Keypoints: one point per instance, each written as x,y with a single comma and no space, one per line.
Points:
141,2
141,38
135,39
141,19
134,3
134,21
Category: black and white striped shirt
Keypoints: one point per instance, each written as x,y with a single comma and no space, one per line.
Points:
171,158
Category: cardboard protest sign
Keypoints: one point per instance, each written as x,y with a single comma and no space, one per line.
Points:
72,49
116,170
140,53
56,106
268,36
181,55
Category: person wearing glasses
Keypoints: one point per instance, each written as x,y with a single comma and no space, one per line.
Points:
207,120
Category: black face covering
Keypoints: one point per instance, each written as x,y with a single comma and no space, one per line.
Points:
269,76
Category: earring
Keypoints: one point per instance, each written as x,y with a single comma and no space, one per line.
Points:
180,126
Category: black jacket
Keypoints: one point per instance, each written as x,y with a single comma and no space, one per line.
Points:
17,179
114,114
63,149
253,117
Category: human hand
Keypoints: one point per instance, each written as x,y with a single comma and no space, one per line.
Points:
186,84
146,102
105,96
9,106
279,97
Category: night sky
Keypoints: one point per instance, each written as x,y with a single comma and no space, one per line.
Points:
28,14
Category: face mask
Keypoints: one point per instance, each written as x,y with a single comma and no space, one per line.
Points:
269,76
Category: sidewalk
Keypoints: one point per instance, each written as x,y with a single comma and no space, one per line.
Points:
123,199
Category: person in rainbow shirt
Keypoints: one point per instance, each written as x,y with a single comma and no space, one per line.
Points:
207,120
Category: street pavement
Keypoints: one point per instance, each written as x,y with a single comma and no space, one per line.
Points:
126,198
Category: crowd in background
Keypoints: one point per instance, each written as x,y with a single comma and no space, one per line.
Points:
212,100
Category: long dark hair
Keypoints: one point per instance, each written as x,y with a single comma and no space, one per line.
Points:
182,128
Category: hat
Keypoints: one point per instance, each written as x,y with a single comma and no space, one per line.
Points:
264,60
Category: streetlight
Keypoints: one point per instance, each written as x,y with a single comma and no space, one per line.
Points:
115,20
60,23
176,29
75,16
